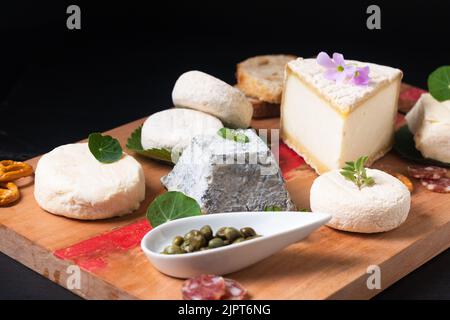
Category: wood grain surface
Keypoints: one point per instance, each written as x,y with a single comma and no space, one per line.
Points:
329,264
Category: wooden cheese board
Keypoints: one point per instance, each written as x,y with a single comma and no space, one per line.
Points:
329,264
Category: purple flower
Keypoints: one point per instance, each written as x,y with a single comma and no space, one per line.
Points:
361,76
336,68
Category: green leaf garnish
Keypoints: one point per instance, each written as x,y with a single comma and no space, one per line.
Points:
170,206
134,144
105,149
356,173
234,135
439,83
272,208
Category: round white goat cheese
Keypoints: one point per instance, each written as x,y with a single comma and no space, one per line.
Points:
70,182
200,91
173,129
377,208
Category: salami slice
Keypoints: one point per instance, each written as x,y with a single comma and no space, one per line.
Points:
441,185
429,172
203,287
234,290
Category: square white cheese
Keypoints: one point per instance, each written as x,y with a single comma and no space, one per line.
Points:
329,123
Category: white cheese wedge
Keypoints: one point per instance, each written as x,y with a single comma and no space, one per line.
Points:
203,92
173,129
377,208
70,182
429,121
329,123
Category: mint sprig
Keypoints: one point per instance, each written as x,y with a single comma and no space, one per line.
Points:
439,83
170,206
232,134
104,148
356,173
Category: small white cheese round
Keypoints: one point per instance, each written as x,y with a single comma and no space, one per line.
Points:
69,181
380,207
429,121
200,91
173,129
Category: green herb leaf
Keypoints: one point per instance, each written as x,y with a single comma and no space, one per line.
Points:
234,135
304,210
134,144
356,173
439,83
272,208
105,149
170,206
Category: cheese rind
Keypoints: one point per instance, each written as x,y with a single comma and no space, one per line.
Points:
70,182
330,123
203,92
343,96
429,121
174,128
226,176
381,207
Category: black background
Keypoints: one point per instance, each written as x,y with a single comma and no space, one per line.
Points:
58,85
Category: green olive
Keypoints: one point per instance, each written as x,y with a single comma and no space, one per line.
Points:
215,243
239,240
248,232
221,233
232,234
203,248
173,250
226,242
178,241
207,232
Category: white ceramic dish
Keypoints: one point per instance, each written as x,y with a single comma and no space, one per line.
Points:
278,230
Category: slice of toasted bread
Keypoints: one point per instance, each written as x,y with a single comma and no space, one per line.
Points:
263,109
262,77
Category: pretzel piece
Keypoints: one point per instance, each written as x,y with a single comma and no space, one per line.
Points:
12,170
8,193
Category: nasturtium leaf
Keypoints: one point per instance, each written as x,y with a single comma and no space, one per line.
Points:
134,144
105,149
170,206
234,135
406,147
439,83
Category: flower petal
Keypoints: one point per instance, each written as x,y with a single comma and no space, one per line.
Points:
325,61
331,74
341,76
361,76
338,59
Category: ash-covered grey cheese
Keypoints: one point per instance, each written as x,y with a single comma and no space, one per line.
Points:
228,176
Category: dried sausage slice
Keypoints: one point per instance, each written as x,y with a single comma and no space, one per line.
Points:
234,290
430,172
441,185
203,287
